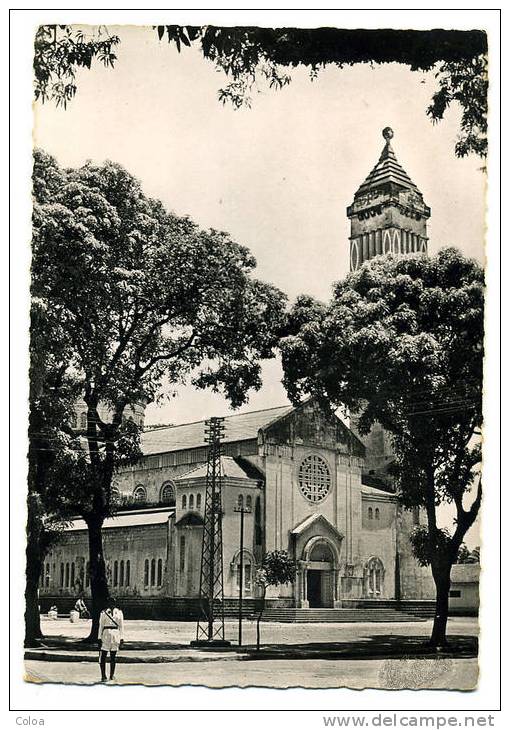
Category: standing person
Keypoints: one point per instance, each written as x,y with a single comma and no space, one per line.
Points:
111,636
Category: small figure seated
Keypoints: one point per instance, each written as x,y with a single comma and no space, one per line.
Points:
53,613
81,608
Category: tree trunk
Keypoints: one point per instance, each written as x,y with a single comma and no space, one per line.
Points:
33,633
262,606
442,581
98,581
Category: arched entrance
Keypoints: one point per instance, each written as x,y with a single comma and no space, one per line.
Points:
319,574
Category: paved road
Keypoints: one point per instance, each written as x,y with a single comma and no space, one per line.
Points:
394,673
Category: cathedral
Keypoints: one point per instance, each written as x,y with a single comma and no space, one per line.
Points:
309,483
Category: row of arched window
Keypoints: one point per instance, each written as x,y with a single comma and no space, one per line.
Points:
153,573
121,573
166,495
45,576
188,501
373,514
244,502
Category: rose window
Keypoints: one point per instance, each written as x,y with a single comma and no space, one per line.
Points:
314,479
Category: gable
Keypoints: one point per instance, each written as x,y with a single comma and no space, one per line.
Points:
311,425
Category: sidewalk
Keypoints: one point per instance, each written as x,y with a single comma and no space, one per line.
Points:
161,642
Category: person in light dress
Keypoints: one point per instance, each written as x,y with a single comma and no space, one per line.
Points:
111,636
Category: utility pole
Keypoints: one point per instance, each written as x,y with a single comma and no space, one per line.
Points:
242,511
211,622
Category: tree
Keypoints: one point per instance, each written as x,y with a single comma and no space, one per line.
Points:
146,300
474,555
51,395
401,344
277,569
59,50
467,556
463,554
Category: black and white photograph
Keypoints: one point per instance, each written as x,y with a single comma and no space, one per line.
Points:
257,387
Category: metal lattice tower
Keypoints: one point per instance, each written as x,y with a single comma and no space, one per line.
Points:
211,624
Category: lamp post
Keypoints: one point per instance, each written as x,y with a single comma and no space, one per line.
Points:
242,511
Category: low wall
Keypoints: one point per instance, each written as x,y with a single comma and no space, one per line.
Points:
156,608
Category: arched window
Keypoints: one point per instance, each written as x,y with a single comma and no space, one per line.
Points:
146,574
167,495
370,513
83,420
140,493
248,501
416,515
115,573
160,572
191,501
240,500
128,572
314,479
247,571
47,578
67,575
184,501
374,574
121,576
61,575
74,420
72,575
199,501
153,572
377,513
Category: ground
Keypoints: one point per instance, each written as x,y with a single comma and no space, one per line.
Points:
307,655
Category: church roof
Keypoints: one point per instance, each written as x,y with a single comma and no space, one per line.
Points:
138,518
228,468
238,427
387,170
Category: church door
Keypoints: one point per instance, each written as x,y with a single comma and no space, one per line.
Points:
314,588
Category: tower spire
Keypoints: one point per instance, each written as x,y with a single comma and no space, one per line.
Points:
388,214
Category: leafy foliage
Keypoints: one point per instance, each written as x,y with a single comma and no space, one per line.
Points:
467,556
277,568
59,50
465,82
426,546
144,298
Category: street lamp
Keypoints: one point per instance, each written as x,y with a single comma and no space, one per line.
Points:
239,507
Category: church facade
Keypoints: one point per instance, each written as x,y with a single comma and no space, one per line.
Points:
310,485
300,473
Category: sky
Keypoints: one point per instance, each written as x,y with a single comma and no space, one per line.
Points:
277,177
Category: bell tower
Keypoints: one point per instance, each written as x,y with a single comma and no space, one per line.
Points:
388,213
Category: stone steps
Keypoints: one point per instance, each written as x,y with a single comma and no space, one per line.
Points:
416,607
338,615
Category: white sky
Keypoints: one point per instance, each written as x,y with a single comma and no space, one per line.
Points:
278,176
